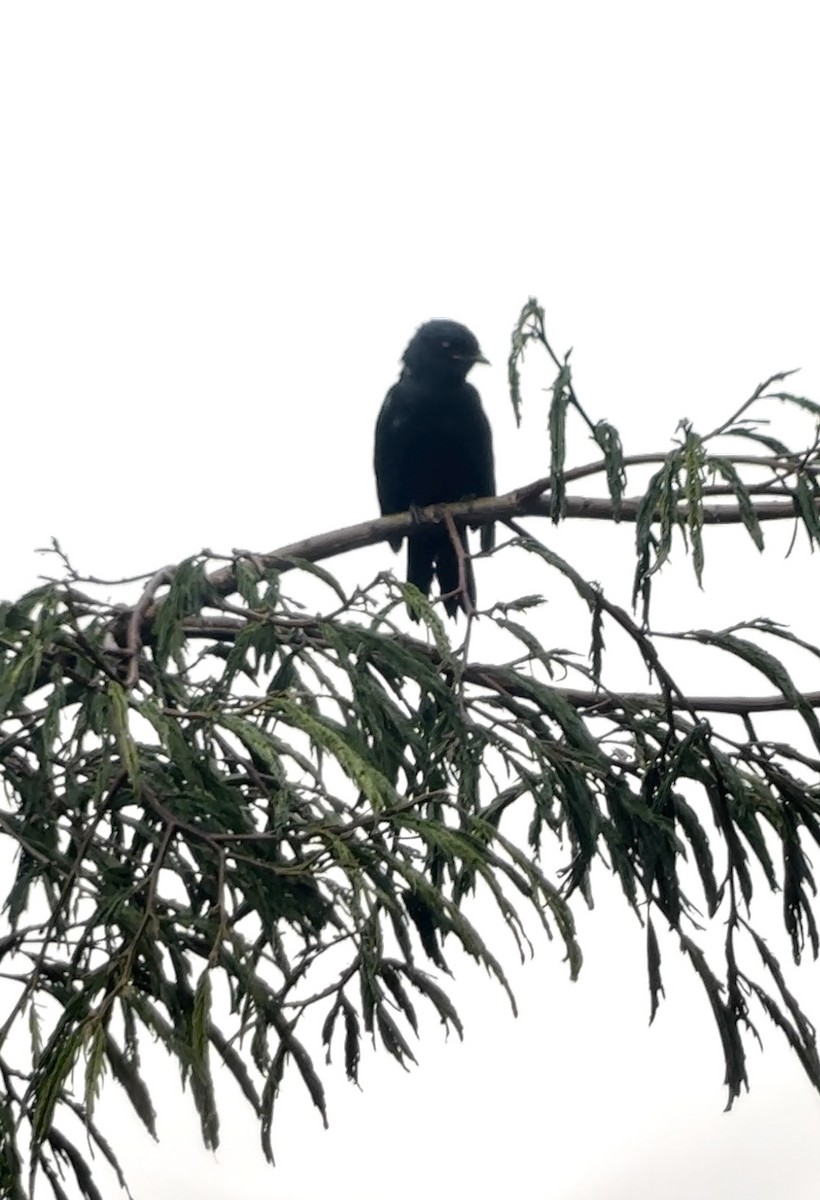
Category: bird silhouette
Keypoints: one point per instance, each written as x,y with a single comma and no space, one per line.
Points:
434,446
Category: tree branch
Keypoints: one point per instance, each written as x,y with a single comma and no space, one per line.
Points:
501,679
519,503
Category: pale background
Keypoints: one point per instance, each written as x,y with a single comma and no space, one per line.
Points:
219,225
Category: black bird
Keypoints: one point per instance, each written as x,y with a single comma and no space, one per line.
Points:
434,446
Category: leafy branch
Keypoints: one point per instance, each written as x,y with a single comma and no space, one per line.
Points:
264,835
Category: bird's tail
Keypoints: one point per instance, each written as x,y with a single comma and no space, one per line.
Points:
431,552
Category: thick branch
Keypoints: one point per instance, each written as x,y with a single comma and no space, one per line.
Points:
480,512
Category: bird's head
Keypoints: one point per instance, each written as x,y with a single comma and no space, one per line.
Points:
442,349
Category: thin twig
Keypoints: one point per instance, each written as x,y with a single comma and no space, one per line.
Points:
462,589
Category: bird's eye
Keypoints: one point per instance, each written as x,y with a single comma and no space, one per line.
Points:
445,345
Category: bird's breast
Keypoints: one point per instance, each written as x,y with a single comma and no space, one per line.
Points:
436,453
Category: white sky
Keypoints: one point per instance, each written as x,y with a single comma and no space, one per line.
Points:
219,225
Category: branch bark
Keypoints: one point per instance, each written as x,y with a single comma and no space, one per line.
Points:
480,512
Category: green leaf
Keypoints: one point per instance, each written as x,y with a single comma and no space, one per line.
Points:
94,1065
118,700
653,966
530,320
609,440
808,495
372,783
126,1072
770,667
799,401
561,394
778,448
321,573
727,471
201,1021
54,1071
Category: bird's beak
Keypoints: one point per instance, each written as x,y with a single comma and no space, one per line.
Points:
479,358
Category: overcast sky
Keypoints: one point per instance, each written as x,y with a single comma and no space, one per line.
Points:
219,226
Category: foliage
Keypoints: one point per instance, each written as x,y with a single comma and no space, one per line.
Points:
247,832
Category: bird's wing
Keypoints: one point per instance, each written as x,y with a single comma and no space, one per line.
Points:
389,450
482,466
485,466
